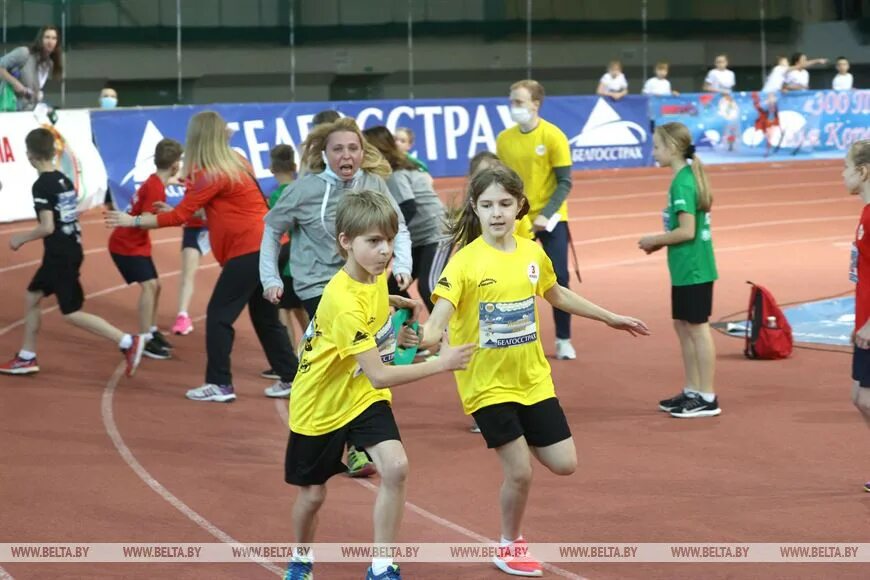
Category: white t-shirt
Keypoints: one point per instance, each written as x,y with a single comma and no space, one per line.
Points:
798,77
775,79
614,84
657,86
722,80
843,82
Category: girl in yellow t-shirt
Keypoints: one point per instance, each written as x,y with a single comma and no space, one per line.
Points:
487,294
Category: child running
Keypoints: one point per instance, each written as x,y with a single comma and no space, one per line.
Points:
857,177
487,295
130,248
54,199
341,393
283,167
692,268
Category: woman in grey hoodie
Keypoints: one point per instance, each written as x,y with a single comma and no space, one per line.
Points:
27,68
339,160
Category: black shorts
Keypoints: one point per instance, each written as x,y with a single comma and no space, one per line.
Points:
190,239
313,459
135,269
289,299
861,366
59,275
542,424
692,303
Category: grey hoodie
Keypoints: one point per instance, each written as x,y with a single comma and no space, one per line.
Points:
27,66
429,224
306,210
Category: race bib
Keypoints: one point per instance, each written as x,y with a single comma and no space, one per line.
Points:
505,324
386,341
67,209
853,264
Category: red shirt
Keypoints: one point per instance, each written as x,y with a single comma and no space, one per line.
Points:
861,269
135,241
234,213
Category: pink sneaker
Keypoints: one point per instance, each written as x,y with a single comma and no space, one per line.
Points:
183,325
514,559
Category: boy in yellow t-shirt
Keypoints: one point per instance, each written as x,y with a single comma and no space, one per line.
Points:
341,393
487,293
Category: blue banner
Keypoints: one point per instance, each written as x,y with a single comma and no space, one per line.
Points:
754,126
603,133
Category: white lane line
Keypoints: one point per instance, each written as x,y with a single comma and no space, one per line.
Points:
18,323
283,413
578,197
746,226
86,252
719,208
106,410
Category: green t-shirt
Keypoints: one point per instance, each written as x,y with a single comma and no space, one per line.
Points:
274,196
691,262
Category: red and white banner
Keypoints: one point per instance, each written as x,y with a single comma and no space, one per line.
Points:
77,157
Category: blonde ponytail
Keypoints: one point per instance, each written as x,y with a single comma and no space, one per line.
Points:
678,136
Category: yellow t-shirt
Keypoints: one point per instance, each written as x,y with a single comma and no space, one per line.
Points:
330,389
494,296
533,156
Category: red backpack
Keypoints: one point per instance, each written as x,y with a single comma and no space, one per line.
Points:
768,333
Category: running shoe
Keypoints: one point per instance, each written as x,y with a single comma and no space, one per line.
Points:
183,325
133,355
674,403
213,393
391,573
154,349
270,374
20,366
697,407
278,390
299,570
514,559
359,464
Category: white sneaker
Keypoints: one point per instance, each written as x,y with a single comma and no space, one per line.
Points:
564,349
278,390
212,393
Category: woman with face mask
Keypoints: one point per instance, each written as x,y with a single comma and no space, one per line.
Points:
26,69
339,160
539,152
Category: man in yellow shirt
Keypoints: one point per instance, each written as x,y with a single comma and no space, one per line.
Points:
539,152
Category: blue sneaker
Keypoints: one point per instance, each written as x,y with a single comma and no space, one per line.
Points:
299,571
392,573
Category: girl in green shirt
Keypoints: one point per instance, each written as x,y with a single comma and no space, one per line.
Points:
692,267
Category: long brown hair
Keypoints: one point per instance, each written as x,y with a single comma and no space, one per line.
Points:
315,144
384,141
677,135
207,149
56,56
466,228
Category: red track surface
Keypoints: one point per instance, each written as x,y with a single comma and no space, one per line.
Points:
783,463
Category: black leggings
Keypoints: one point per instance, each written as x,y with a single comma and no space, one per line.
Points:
429,262
238,286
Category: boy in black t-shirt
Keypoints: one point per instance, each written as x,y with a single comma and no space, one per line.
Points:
55,200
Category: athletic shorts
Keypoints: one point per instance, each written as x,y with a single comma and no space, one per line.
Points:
193,238
60,276
135,269
313,459
861,366
692,303
542,424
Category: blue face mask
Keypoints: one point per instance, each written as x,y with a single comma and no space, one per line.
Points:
108,102
332,174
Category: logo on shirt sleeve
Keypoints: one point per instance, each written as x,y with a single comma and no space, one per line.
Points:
444,282
360,337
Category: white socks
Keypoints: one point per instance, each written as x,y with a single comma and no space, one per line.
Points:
692,392
380,565
126,342
26,355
